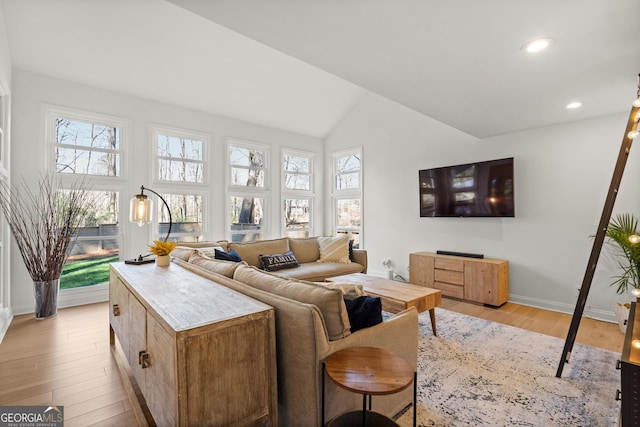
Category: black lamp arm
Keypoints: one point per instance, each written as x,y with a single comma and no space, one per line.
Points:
142,188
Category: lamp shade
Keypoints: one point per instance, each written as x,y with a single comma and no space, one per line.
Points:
140,209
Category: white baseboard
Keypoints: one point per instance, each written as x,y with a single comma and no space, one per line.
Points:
73,297
604,315
6,316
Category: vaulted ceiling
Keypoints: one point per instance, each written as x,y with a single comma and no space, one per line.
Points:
302,65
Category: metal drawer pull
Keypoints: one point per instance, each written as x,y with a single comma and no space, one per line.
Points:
116,310
619,364
618,395
143,359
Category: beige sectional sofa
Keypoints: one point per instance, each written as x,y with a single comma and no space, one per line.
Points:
311,324
306,251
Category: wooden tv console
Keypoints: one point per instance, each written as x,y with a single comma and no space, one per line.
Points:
200,353
481,280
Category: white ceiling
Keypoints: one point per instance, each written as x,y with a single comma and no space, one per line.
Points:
302,65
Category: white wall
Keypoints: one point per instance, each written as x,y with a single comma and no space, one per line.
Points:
562,174
31,91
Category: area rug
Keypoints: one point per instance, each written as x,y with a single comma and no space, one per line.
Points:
482,373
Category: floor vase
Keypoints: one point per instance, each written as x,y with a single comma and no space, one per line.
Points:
46,295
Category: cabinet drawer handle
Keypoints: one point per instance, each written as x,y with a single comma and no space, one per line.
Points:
143,359
618,395
116,310
619,364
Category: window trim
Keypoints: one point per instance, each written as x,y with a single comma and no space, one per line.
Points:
190,191
286,193
118,184
349,193
244,191
155,130
51,112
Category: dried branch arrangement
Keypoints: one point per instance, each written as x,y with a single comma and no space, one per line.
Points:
45,223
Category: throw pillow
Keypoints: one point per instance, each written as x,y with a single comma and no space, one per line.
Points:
364,312
351,257
278,261
227,256
334,249
209,252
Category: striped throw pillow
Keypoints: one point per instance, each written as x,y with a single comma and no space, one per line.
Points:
334,249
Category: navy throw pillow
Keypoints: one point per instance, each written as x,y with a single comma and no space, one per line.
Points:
232,255
364,312
351,258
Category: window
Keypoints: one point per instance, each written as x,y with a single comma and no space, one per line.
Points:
181,173
247,191
97,244
85,145
86,148
186,214
347,194
297,193
180,156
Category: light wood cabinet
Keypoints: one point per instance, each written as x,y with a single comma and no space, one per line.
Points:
482,280
200,353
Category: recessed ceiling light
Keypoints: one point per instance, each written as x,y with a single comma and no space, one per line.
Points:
574,105
537,45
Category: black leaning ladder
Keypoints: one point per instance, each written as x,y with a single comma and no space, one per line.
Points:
623,155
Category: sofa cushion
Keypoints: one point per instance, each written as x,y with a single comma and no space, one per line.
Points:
364,312
250,252
349,290
182,252
227,256
334,249
305,250
226,268
319,271
329,301
278,261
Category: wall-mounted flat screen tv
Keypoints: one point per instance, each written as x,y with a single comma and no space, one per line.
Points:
481,189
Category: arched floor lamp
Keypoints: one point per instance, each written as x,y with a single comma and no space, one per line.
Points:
141,212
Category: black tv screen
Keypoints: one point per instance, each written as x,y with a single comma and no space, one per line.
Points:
481,189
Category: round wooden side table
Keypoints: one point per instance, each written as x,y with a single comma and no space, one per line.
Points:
368,371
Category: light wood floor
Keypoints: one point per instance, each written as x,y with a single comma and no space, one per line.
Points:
67,361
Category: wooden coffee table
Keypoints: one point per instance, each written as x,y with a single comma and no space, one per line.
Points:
369,371
396,296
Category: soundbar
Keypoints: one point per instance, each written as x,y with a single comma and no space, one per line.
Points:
463,254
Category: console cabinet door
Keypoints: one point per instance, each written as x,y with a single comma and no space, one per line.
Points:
161,386
421,269
119,311
486,282
137,335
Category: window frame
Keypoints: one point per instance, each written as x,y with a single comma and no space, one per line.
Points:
346,194
297,194
234,190
166,187
124,125
156,131
99,183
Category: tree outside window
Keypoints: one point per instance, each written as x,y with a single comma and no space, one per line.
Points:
297,193
247,176
85,145
347,194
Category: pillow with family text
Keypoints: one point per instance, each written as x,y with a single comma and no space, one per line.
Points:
278,261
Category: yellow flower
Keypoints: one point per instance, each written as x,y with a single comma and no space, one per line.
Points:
161,247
